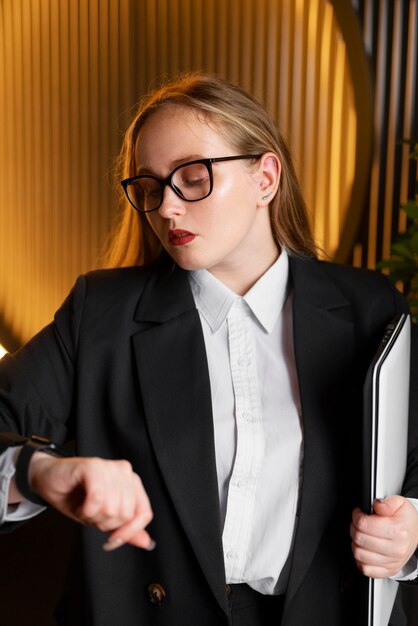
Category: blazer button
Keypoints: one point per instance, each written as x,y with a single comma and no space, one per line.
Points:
156,593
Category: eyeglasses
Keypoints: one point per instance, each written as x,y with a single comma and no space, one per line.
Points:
191,181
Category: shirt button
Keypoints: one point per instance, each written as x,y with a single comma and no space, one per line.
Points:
241,483
243,362
246,415
231,555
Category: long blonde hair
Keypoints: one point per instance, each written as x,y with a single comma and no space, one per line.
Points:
248,128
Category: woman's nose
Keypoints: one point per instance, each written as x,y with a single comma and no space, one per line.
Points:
172,204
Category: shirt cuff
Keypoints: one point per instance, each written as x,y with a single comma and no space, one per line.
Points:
13,512
410,569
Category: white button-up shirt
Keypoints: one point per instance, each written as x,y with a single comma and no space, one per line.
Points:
257,421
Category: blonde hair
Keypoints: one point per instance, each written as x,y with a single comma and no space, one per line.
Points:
249,129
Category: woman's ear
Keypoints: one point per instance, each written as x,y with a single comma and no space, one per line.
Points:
268,175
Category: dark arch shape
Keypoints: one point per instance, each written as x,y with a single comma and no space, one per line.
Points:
361,76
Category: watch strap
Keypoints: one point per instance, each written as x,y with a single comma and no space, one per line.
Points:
10,440
30,446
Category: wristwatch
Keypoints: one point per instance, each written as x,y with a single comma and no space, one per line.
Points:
30,445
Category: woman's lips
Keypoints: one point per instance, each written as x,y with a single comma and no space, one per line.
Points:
179,237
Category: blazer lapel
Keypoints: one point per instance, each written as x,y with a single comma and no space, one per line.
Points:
175,387
323,339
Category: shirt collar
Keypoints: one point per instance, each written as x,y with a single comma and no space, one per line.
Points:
265,299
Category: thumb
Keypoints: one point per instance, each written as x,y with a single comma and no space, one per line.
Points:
386,507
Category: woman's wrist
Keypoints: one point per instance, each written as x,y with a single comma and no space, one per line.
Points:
31,458
38,464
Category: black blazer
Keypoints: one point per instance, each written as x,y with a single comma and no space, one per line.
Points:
123,371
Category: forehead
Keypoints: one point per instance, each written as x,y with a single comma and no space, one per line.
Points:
176,133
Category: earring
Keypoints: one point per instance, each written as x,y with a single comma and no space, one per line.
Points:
266,196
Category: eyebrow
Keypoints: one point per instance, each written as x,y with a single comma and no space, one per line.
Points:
172,164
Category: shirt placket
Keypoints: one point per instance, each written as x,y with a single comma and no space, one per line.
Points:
250,442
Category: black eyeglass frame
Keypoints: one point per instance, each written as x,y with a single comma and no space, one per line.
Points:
163,182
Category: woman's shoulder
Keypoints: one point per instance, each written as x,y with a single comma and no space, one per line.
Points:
103,289
361,285
343,274
119,278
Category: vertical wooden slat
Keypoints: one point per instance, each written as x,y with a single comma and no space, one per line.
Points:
222,61
393,109
152,55
13,134
286,38
7,161
310,130
412,95
273,94
375,195
105,121
3,213
210,37
299,79
400,108
61,183
246,61
337,118
322,156
261,16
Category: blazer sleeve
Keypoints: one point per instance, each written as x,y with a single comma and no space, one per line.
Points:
36,382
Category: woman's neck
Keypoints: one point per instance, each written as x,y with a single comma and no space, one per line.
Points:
241,277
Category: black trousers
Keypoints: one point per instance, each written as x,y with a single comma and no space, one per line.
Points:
250,608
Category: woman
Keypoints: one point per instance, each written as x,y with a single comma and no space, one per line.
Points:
225,367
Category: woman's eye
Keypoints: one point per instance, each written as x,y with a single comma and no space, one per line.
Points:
194,175
149,190
195,182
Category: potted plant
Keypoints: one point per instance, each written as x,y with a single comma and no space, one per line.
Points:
402,264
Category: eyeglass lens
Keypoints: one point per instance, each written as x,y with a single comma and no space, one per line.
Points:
191,182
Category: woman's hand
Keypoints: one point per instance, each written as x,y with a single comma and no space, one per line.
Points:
107,495
383,542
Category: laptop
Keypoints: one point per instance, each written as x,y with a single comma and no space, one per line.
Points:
386,407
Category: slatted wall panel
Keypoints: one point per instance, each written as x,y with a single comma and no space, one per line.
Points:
390,29
71,69
64,81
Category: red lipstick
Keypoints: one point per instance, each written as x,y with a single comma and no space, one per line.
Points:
179,237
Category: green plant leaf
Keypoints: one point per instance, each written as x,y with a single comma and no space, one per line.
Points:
398,263
414,152
391,264
414,243
402,266
411,209
403,250
412,230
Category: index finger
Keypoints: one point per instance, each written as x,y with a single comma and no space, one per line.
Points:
133,531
